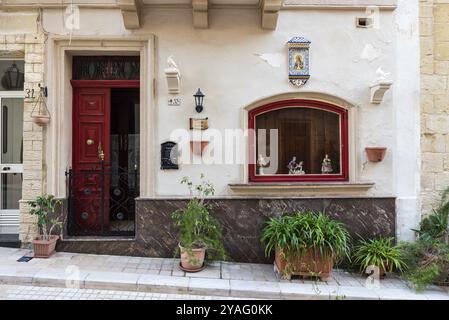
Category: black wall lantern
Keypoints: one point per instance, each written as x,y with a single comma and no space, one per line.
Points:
199,97
13,79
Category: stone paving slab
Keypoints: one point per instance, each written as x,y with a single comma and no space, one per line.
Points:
14,292
162,283
17,275
57,277
111,281
158,275
204,286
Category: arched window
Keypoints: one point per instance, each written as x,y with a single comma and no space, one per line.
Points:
298,140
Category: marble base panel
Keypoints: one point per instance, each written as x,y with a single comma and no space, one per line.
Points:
242,221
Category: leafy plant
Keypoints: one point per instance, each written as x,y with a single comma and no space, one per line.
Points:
428,261
381,253
435,226
305,230
197,229
44,207
428,257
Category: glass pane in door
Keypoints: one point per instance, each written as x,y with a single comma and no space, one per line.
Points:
11,149
12,131
11,190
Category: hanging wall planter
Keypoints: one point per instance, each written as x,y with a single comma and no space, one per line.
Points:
376,154
40,114
197,147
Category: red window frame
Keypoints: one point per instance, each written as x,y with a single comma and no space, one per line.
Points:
343,113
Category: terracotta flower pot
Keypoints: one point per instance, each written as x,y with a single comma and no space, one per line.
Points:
44,248
376,154
41,120
192,261
312,263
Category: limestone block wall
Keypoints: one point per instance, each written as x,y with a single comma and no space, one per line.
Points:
29,47
434,34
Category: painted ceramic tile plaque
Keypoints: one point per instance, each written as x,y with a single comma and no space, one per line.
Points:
298,61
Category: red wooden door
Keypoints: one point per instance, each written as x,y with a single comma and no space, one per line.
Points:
91,157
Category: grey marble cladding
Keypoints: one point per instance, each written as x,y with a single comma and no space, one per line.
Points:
242,221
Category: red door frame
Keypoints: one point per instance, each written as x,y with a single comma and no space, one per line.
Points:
105,83
313,104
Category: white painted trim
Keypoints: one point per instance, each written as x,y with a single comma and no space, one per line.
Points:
12,94
60,98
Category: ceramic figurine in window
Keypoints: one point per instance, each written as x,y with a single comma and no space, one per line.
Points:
292,165
326,166
299,169
261,163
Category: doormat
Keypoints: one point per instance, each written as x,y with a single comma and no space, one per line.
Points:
24,259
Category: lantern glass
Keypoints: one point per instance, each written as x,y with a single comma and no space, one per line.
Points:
11,75
199,97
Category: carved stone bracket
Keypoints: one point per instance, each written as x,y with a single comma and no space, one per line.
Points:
270,13
200,13
378,91
173,76
130,12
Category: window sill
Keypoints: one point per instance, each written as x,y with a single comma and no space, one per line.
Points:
302,188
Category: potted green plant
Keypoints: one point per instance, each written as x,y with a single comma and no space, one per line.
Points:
44,207
378,253
428,258
305,244
198,231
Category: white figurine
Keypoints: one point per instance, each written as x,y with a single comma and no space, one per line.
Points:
261,163
326,166
171,63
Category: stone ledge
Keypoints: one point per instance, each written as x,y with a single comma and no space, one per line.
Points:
340,4
306,188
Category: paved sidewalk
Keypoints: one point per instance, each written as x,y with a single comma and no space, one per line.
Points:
15,292
223,279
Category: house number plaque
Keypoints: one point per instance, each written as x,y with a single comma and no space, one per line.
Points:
169,155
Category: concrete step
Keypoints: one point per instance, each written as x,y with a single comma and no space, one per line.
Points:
74,278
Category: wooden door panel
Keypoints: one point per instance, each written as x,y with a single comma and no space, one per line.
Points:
91,129
91,135
92,104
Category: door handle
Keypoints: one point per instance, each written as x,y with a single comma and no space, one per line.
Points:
100,152
6,168
89,142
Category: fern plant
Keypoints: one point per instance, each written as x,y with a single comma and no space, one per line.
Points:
197,228
44,207
381,253
306,230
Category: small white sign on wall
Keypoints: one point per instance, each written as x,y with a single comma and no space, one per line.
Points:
174,102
